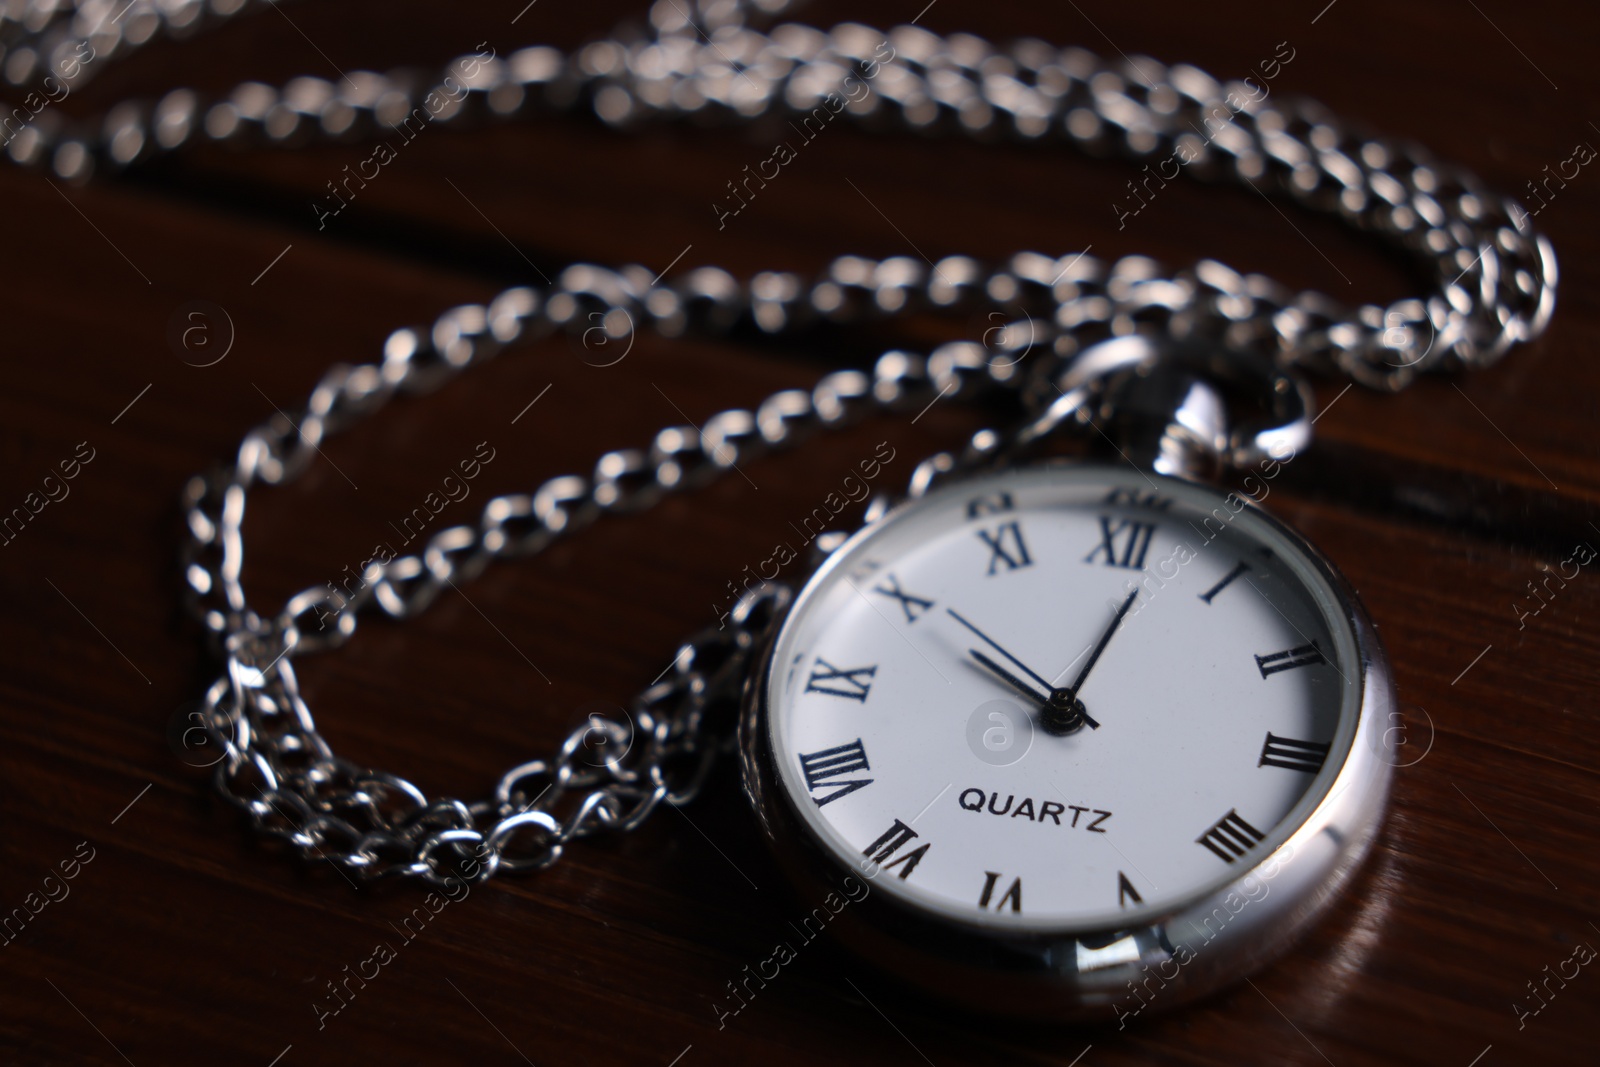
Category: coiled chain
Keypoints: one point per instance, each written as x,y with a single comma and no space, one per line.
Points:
1494,287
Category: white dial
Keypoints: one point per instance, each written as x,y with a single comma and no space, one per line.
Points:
1068,697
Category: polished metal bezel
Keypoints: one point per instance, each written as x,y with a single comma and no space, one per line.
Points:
1073,972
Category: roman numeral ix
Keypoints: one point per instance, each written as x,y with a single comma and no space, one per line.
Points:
826,767
1231,837
853,683
1292,755
1123,545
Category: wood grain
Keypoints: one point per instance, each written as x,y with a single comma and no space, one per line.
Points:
184,941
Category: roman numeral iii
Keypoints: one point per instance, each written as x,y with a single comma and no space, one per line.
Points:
890,842
1231,837
1292,755
1124,544
1288,660
1006,547
853,683
826,767
1013,896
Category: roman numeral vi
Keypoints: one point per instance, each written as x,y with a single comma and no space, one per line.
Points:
1013,896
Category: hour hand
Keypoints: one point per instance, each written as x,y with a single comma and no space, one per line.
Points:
1062,712
1030,691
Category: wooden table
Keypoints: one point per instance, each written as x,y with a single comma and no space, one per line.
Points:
181,940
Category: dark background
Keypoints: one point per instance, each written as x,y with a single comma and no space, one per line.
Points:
183,940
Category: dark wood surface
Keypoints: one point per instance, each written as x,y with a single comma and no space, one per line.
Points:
184,941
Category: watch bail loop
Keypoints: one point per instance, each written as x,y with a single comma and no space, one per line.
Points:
1180,407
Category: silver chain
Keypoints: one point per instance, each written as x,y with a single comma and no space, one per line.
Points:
1494,287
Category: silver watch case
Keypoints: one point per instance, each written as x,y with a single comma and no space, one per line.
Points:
1071,974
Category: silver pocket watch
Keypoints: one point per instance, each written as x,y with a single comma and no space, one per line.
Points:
1099,735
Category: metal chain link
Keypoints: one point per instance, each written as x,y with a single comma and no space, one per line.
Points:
281,771
1495,279
1495,287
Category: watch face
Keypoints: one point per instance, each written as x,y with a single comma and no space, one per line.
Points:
1066,698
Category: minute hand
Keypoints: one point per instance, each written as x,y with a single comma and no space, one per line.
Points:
1105,639
1046,686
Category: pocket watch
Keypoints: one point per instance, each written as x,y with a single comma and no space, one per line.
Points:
1099,734
1098,737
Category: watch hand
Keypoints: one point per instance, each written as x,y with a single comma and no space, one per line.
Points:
1005,675
1060,709
1105,639
1064,713
1046,686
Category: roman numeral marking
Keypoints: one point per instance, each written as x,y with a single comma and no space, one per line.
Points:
822,768
889,843
1227,579
1014,894
1126,892
1231,837
1304,656
914,606
1138,498
1134,538
853,683
1292,755
989,505
1006,546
